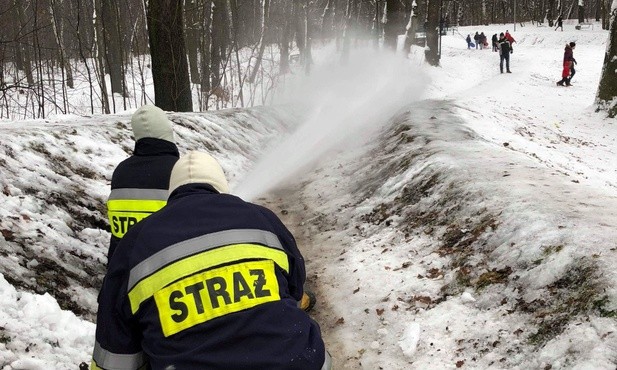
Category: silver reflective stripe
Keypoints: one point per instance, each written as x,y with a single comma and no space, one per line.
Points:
114,361
327,364
131,193
200,244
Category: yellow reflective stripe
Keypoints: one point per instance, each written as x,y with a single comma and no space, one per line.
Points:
124,213
104,359
135,205
137,193
215,293
199,262
200,244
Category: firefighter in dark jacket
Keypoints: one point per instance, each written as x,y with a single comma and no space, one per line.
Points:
139,183
207,282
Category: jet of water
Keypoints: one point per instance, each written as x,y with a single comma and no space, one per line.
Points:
345,103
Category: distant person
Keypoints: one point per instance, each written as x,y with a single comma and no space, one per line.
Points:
208,282
476,38
568,65
572,60
495,42
559,23
139,183
483,41
469,43
505,49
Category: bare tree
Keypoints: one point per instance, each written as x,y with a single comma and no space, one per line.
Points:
262,40
172,88
348,30
606,14
308,56
112,43
100,68
581,11
192,30
58,26
285,37
395,22
326,19
205,43
23,50
607,89
432,33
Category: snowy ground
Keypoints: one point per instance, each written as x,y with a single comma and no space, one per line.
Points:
451,217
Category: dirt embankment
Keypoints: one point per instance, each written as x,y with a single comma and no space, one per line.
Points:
310,230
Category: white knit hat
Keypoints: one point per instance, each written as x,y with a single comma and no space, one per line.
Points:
151,121
198,167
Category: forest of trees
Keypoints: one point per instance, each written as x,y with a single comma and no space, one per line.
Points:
213,52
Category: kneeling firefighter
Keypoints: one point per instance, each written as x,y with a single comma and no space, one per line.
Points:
207,282
140,183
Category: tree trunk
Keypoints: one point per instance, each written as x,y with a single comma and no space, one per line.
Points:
410,32
581,12
550,14
286,37
347,31
192,38
607,89
100,63
432,33
308,57
110,21
570,10
58,28
24,59
219,25
298,17
206,45
376,34
326,20
262,40
606,14
172,88
395,22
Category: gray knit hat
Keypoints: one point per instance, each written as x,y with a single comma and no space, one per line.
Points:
198,167
151,121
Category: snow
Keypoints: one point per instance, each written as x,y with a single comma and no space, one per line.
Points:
450,217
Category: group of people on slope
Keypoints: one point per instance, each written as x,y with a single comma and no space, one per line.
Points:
501,44
480,41
197,278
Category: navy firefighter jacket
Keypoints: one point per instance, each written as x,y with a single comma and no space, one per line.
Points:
207,282
139,186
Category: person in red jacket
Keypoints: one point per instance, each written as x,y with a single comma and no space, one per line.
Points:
568,65
510,38
209,281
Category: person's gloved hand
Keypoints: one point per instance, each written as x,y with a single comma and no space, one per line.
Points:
308,300
511,51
